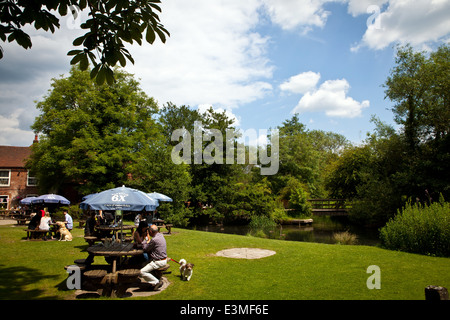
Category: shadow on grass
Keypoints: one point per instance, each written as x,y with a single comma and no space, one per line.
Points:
16,283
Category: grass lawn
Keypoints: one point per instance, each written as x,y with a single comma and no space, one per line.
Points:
299,270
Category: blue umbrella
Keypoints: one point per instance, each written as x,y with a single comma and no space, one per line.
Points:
88,196
159,196
50,198
121,198
27,200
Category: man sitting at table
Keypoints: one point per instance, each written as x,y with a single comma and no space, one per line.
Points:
157,252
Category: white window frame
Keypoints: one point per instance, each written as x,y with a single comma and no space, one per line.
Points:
7,200
9,178
28,180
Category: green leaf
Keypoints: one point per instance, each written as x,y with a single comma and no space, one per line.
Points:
79,41
122,60
150,35
109,76
62,9
77,58
94,71
101,75
73,52
161,35
84,64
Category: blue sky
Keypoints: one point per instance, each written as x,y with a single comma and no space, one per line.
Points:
260,60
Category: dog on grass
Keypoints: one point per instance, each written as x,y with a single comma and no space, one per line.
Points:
186,270
65,234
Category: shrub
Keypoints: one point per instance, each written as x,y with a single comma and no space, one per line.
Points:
299,202
419,229
261,226
345,238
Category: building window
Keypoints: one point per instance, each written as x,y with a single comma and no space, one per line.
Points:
31,181
5,178
4,202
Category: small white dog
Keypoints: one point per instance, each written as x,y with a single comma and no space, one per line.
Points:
65,234
186,270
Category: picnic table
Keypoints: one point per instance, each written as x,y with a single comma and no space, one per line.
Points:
115,229
22,218
162,224
117,251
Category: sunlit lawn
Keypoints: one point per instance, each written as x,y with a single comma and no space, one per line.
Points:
299,270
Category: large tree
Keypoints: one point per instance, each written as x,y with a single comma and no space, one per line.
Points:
419,85
91,135
110,24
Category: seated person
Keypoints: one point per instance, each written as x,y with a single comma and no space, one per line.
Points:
35,221
89,228
157,251
141,239
109,218
45,224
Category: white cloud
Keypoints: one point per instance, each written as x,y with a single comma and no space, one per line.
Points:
298,14
301,83
357,7
331,98
10,130
406,21
212,56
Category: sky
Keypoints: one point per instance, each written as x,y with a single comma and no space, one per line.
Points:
261,61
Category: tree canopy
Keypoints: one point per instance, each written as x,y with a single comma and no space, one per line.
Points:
100,136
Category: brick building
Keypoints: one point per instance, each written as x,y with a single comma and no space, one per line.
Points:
15,180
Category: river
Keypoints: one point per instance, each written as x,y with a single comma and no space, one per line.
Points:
320,231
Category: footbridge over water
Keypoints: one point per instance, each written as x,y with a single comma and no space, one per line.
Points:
329,207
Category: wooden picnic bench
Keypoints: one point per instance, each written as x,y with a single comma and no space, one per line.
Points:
91,240
35,234
22,219
168,226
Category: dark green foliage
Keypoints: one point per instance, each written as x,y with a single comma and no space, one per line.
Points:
417,228
110,24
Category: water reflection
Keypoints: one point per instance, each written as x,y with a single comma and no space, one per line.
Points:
321,231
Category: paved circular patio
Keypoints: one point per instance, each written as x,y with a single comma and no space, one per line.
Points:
245,253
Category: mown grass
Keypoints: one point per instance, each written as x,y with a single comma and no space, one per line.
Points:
299,270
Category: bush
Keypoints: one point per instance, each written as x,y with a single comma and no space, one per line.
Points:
345,238
74,211
419,229
261,226
299,202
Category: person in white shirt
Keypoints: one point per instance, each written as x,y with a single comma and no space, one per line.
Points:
45,224
69,221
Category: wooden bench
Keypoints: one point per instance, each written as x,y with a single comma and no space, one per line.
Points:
81,266
35,234
125,278
81,223
22,221
168,226
91,240
95,277
158,273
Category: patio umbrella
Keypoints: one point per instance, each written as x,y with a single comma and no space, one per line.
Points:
122,198
27,200
50,198
160,197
